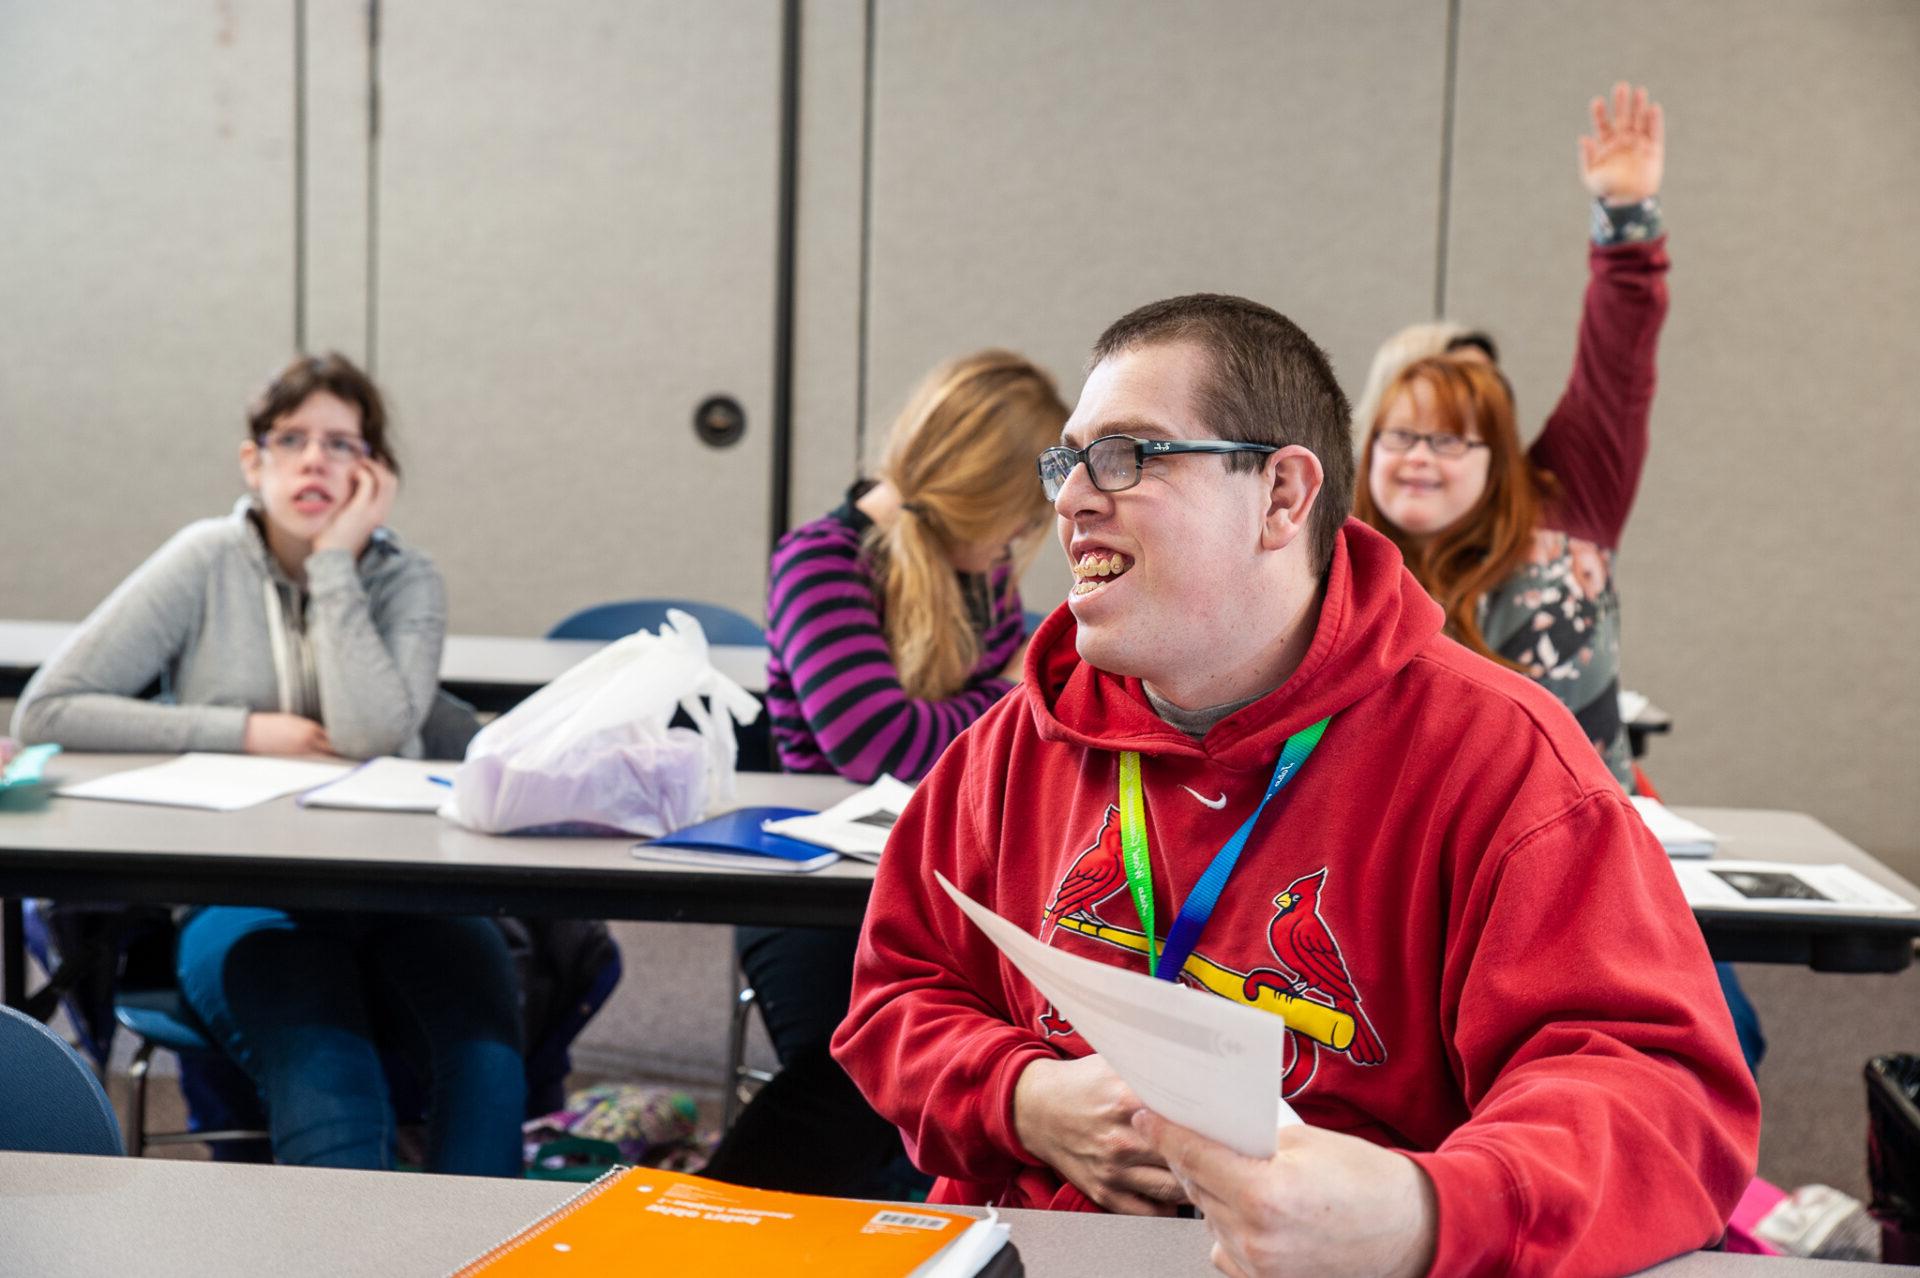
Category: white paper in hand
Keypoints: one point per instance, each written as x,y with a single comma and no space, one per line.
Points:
1200,1061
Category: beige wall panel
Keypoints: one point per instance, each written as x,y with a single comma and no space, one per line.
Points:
339,83
1039,170
668,1019
1767,599
146,277
575,247
826,348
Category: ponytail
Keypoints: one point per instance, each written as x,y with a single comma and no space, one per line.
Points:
961,456
933,647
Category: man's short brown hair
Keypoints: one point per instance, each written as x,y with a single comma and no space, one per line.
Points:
1268,384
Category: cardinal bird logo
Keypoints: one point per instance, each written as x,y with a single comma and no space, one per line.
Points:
1315,968
1097,875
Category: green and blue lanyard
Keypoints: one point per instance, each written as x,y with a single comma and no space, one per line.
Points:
1200,902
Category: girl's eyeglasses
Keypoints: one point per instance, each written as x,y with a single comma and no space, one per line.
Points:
1441,443
291,446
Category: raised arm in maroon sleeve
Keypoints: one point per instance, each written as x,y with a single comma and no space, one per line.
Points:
1595,443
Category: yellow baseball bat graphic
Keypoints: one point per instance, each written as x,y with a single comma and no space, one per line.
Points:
1317,1021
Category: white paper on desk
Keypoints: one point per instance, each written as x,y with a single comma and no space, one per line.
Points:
385,785
857,826
1632,705
1679,836
222,782
1774,886
1201,1061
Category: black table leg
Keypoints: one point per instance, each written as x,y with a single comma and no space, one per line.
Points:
13,960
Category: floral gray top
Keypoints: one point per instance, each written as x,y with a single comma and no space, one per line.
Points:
1558,619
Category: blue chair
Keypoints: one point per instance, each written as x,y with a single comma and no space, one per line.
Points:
722,624
617,620
160,1018
52,1103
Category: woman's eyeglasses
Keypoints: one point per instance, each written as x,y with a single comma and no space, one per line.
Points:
1440,443
291,446
1113,461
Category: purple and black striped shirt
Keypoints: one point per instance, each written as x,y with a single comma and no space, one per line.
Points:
832,689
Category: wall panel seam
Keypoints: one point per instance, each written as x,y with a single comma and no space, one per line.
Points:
866,243
1449,95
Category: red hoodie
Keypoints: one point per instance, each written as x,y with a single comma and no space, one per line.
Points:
1487,960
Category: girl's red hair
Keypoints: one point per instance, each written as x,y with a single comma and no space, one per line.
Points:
1463,562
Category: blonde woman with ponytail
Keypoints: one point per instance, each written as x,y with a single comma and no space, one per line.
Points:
893,623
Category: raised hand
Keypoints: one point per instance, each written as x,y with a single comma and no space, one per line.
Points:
366,508
1074,1116
1623,160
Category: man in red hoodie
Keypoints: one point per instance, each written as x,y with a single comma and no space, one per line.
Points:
1246,739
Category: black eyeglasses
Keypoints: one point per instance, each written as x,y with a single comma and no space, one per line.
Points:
1441,443
1113,461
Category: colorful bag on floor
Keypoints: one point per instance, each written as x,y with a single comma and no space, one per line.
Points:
617,1124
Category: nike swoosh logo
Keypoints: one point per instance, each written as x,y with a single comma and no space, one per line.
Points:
1215,804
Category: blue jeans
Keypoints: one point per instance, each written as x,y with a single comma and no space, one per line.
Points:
305,1003
1746,1020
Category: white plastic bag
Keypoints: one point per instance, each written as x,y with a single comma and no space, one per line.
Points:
592,751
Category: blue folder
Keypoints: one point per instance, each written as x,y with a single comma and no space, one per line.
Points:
737,840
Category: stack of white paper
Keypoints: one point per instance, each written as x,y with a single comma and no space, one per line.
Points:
386,785
856,826
1679,836
1205,1063
222,782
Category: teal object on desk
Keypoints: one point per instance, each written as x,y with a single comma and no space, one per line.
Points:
28,767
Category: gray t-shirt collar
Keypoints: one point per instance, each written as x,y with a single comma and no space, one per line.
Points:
1196,723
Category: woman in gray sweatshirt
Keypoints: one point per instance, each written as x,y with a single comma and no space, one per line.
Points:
300,625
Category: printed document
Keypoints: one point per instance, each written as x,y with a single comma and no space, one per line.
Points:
387,785
857,826
1775,887
1198,1060
222,782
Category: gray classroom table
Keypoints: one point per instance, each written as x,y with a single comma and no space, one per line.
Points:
495,671
492,670
65,1215
1858,941
280,854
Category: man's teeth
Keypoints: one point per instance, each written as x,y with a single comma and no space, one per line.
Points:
1091,568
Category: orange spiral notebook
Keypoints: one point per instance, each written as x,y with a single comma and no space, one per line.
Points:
644,1220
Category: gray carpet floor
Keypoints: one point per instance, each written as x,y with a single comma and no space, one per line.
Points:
1821,1029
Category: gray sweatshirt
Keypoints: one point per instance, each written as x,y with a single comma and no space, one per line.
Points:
215,619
